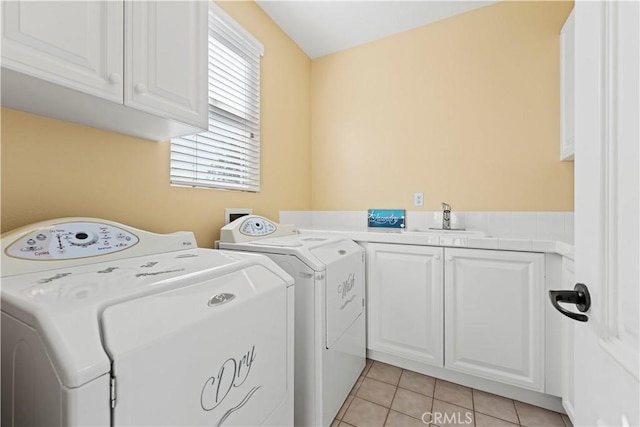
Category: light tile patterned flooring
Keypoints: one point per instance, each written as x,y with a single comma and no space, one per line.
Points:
386,395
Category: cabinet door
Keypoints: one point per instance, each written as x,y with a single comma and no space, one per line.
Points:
75,44
166,59
494,315
405,301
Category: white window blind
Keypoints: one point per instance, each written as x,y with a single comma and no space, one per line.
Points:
228,154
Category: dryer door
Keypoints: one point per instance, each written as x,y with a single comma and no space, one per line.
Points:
211,352
344,286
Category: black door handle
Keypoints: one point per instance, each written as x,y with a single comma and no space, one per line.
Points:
578,296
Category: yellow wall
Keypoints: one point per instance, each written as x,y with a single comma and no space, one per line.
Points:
465,110
55,169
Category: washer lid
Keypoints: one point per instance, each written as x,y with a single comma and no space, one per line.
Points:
284,242
302,246
64,305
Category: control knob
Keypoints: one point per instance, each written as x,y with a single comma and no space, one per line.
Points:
83,239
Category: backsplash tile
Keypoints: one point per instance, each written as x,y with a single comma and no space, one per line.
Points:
299,218
339,218
551,226
548,226
417,219
499,224
476,220
433,219
568,227
524,225
458,219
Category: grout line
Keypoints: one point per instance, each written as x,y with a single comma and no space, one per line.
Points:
497,417
517,413
367,366
393,398
375,403
367,400
473,404
353,396
453,404
433,398
384,423
413,391
348,406
383,381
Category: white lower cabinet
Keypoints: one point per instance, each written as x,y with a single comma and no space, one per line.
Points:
472,311
494,315
405,301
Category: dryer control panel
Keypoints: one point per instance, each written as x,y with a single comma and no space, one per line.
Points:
71,240
74,241
254,227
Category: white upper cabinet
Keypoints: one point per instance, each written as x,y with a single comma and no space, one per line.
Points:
567,91
134,67
494,324
166,60
81,48
405,301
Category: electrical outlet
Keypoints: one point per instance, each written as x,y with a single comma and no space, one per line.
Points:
418,199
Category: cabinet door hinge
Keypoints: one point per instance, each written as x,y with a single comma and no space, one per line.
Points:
112,392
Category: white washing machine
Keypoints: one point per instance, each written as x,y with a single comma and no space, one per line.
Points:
103,324
329,309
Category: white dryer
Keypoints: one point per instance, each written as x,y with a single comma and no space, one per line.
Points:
104,324
330,342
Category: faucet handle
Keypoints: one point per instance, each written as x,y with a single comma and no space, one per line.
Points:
445,207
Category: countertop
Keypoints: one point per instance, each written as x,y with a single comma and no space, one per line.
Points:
408,237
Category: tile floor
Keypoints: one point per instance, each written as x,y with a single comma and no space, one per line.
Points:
386,395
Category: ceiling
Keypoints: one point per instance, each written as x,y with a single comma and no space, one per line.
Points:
324,27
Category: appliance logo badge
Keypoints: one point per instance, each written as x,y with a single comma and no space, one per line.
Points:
345,288
232,374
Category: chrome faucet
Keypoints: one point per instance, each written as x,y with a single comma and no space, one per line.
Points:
446,216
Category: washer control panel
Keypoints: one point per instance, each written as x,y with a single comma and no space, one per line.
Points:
253,227
257,227
71,240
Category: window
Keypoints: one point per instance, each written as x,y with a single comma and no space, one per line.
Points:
228,154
